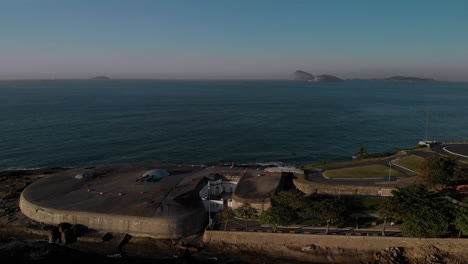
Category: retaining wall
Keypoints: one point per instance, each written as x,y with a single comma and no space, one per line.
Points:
326,248
261,206
311,187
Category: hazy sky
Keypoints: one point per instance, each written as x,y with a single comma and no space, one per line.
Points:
233,39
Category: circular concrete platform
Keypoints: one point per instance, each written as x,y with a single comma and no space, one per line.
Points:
115,201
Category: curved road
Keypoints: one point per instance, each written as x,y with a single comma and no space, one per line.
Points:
458,150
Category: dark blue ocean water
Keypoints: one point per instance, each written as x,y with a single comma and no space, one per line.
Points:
75,123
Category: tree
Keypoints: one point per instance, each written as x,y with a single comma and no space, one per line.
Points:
461,218
225,215
361,153
386,211
276,216
329,210
424,213
246,211
438,169
290,200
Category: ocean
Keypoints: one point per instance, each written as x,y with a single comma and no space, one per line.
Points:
68,123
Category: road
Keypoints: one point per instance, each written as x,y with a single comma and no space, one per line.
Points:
459,151
253,226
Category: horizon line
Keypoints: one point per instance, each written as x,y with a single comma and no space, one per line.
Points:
208,79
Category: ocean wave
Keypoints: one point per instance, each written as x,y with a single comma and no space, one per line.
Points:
29,169
20,169
266,164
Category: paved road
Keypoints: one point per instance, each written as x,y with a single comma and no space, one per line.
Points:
253,226
321,231
460,149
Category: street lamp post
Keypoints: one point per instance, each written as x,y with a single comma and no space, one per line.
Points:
390,171
209,206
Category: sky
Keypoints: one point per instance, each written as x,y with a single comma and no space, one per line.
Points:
239,39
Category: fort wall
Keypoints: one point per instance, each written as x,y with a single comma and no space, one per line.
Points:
155,227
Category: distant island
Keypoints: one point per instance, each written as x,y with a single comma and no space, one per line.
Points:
100,78
326,78
408,79
305,76
302,76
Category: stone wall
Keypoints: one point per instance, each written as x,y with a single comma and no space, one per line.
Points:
327,248
311,187
261,206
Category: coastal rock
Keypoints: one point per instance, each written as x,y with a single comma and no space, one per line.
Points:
302,76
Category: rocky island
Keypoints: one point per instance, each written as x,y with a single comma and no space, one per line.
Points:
302,76
408,79
325,78
305,76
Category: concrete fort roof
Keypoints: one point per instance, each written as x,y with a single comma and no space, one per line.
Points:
256,189
116,200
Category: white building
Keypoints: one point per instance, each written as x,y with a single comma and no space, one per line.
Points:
217,195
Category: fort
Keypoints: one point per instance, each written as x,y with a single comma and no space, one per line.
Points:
175,201
164,201
152,200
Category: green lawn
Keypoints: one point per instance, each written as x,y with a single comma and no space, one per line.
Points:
325,165
411,162
368,171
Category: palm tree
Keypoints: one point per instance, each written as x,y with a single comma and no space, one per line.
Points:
361,153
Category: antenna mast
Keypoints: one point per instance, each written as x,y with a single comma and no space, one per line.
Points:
427,121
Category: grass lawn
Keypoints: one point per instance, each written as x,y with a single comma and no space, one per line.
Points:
325,165
411,162
368,171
